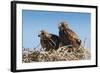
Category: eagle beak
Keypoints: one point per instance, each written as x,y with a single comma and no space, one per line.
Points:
38,35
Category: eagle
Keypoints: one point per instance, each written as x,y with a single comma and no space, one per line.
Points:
68,36
49,41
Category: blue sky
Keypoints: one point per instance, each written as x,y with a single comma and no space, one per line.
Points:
34,21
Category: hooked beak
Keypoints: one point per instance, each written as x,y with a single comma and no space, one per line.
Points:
38,35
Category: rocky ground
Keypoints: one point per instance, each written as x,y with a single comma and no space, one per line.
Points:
64,53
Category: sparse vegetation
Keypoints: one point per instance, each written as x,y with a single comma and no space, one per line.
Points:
64,53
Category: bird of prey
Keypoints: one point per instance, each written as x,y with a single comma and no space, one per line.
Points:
68,36
49,41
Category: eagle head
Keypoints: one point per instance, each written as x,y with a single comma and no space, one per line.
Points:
63,26
43,34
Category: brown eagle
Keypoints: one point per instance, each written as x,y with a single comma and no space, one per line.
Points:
49,41
68,36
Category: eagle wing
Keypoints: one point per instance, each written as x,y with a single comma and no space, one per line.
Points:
72,34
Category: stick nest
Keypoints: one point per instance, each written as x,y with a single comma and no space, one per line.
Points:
64,53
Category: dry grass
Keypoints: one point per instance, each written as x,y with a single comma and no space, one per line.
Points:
62,54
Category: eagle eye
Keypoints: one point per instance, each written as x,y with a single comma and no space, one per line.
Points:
42,33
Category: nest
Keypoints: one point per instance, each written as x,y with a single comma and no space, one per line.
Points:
64,53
